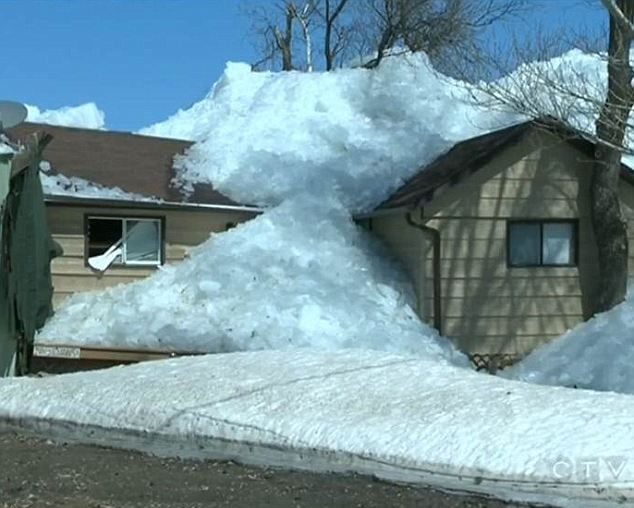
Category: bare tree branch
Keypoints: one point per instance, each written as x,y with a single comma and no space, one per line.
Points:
617,14
373,28
331,50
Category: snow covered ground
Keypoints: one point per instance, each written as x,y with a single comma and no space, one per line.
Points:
397,417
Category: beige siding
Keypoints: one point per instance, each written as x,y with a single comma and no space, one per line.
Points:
488,307
183,229
414,249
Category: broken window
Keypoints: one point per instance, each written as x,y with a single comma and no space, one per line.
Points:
123,241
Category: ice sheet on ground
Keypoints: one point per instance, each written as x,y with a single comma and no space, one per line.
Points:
415,414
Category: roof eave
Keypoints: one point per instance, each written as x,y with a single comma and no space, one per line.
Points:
381,212
63,200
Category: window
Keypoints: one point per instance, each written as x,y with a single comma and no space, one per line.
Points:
123,241
542,243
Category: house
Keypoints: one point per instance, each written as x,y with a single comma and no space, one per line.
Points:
133,174
496,236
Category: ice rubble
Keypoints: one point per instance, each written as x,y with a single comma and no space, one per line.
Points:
263,137
87,116
360,131
597,355
297,276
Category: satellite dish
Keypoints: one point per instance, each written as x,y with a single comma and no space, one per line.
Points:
11,113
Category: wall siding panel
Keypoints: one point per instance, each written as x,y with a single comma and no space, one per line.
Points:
489,307
183,230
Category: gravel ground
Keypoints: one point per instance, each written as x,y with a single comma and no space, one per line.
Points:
36,473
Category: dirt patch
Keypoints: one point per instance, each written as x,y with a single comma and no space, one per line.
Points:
36,473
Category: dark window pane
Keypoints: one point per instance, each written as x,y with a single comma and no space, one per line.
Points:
558,248
103,234
524,244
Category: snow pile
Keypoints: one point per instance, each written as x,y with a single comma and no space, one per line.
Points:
301,275
394,417
597,355
56,184
263,136
87,116
570,88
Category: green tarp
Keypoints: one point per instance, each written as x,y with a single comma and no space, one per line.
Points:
25,255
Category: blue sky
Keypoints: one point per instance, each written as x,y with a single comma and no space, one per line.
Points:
141,60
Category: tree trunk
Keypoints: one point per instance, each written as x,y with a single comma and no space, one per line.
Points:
284,41
610,227
328,56
610,231
331,18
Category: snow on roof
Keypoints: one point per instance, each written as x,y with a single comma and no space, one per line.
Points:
5,147
130,164
87,115
56,184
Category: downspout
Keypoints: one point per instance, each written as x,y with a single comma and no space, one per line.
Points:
434,234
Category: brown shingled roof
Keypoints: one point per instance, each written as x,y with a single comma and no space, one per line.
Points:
472,154
134,163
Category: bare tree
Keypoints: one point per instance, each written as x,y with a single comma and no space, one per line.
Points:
590,104
335,35
610,227
272,33
304,17
431,26
277,28
370,27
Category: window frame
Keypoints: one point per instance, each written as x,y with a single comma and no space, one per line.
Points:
541,222
123,218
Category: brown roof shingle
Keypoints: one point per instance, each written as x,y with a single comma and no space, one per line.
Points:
134,163
472,154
